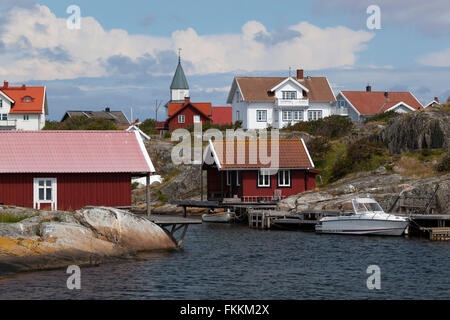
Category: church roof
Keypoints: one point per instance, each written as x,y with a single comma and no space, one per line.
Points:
179,79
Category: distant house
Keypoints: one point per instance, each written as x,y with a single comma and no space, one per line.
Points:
68,170
433,103
22,108
261,102
182,112
364,104
253,181
118,117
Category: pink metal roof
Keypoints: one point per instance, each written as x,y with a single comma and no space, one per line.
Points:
72,152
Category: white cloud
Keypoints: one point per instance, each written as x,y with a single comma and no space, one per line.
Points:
48,50
436,59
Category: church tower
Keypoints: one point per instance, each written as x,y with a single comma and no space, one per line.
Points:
179,89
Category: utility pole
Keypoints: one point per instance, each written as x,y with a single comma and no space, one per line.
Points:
157,106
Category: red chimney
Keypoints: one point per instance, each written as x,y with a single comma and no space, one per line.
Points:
5,84
187,99
299,74
436,99
368,88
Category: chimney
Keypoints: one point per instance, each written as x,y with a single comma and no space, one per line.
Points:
187,99
436,99
107,109
5,84
299,74
386,94
368,88
24,86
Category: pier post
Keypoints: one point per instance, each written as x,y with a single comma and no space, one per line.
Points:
147,195
201,183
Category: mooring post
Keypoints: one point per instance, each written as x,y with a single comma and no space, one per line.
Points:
147,196
201,183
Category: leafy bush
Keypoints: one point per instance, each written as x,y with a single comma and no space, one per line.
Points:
361,155
149,126
81,123
444,164
134,185
318,147
384,117
330,127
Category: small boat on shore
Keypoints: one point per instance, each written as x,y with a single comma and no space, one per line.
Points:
368,218
223,216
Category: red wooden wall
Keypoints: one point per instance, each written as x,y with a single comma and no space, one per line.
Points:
188,113
250,188
74,191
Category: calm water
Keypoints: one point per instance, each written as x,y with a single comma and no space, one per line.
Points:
234,262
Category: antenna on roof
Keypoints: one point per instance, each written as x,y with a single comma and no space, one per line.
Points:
290,72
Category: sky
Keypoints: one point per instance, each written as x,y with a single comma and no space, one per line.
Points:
125,53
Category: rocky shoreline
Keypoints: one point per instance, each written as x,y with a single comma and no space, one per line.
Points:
90,236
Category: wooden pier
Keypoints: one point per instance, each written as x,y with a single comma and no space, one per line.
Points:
171,224
432,226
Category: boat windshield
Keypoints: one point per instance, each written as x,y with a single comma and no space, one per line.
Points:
367,207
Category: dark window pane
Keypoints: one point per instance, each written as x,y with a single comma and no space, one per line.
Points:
48,194
41,194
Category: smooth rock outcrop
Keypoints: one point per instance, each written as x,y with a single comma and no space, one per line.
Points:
88,236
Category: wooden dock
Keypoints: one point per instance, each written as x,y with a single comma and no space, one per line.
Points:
171,224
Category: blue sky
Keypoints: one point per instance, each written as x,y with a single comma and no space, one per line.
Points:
124,55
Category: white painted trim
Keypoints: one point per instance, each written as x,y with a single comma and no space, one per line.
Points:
348,101
216,158
416,99
37,202
8,98
289,79
307,152
144,151
400,103
136,128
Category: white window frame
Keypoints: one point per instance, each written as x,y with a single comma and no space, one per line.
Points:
26,117
1,103
289,95
53,201
196,119
263,179
286,119
314,115
181,118
238,183
297,115
228,178
261,112
284,175
237,115
4,116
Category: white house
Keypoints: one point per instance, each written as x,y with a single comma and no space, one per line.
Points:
364,104
433,103
261,102
22,108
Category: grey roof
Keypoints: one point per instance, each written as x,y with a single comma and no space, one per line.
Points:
117,116
179,79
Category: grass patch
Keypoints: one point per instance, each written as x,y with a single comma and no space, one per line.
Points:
11,218
444,164
327,161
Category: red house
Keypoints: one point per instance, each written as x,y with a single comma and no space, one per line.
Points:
184,114
222,115
68,170
244,174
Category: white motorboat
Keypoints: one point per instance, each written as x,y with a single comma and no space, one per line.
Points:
225,216
368,218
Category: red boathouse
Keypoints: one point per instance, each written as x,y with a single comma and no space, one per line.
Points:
68,170
246,177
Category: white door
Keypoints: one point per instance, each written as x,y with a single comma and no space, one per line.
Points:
45,191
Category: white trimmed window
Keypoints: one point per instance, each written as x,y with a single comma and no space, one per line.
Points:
237,116
287,116
4,116
342,103
263,179
297,115
289,95
314,115
1,103
261,115
238,183
196,119
26,117
228,178
45,192
284,178
181,118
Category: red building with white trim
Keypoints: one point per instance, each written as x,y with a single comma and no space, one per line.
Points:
244,175
68,170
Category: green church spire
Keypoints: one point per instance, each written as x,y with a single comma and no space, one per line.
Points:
179,79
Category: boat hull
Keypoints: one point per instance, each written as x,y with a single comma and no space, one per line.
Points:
217,217
363,227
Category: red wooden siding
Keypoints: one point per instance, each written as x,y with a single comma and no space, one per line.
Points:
74,191
249,184
188,113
